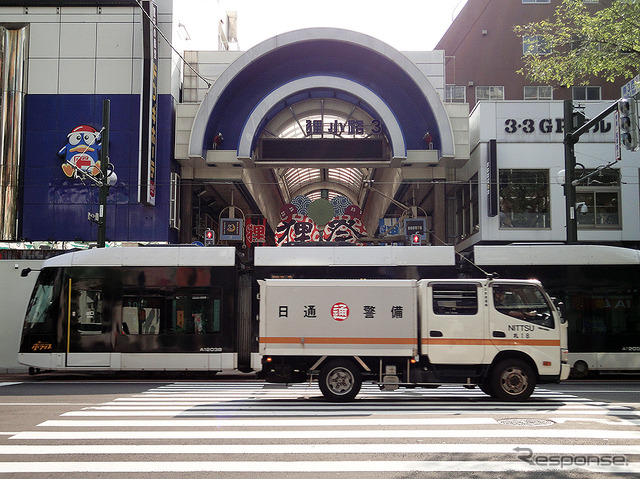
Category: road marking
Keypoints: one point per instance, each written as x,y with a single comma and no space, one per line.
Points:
9,384
597,434
299,467
350,448
341,422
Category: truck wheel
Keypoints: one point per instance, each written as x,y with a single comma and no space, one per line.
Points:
512,380
340,380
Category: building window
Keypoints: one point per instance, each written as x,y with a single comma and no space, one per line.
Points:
534,45
489,93
455,94
598,200
538,93
524,199
586,93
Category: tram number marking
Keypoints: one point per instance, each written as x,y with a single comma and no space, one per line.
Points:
210,350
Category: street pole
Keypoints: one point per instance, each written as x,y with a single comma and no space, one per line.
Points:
572,134
104,167
569,173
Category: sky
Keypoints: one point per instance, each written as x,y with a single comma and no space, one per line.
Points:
406,25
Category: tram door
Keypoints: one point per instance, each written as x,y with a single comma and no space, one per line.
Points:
88,331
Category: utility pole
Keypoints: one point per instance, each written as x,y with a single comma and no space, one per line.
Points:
104,167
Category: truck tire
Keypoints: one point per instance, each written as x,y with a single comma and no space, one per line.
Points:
340,380
512,380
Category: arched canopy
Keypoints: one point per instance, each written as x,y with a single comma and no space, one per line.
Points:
261,114
322,61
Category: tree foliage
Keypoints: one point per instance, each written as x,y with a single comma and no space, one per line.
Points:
578,44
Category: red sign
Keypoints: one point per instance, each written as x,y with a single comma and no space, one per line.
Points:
256,231
340,311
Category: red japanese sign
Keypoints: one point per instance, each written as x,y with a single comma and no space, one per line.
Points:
340,311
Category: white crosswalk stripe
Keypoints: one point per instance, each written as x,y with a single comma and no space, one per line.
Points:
252,427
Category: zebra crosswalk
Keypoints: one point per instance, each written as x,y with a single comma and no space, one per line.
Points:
246,428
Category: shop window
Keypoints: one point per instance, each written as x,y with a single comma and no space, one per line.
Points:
598,197
524,198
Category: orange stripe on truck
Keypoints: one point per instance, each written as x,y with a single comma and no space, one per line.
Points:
305,340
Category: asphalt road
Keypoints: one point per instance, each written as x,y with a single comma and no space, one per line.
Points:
63,426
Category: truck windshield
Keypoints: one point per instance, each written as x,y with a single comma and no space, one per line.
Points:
523,301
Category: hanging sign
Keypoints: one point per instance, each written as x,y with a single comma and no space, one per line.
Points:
255,231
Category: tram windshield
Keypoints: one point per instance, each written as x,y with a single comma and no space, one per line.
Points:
41,300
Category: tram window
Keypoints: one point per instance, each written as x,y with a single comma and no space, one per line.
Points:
172,314
197,314
86,311
525,302
455,299
141,315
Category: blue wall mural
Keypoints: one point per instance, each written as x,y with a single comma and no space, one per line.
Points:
56,206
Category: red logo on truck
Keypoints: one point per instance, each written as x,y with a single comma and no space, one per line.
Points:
339,311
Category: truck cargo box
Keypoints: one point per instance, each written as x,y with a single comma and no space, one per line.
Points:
312,317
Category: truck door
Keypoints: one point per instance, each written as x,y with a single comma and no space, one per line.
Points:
522,319
453,322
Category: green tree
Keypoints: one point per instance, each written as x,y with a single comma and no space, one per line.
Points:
578,44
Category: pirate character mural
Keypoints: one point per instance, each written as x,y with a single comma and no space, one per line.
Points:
82,152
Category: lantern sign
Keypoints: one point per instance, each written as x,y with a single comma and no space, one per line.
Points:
344,229
297,228
347,227
255,231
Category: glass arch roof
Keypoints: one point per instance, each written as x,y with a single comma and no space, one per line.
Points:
292,122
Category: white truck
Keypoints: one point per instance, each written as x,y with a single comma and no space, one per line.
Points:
504,336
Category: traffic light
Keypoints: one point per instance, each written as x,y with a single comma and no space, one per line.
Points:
416,240
209,237
628,113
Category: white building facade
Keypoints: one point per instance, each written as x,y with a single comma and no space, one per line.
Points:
517,157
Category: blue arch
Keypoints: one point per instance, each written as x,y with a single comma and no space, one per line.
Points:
261,113
329,53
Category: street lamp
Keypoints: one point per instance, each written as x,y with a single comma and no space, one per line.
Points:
104,179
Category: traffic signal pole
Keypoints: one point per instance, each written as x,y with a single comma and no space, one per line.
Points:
569,173
571,137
